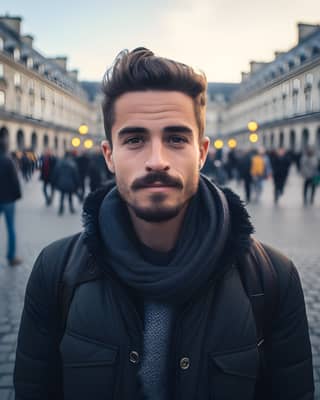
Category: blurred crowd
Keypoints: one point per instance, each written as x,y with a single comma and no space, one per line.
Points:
254,166
72,175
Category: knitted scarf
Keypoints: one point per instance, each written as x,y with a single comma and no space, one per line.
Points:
201,241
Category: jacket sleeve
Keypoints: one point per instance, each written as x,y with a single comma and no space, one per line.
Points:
37,368
290,357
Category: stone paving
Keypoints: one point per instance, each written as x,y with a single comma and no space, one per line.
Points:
289,226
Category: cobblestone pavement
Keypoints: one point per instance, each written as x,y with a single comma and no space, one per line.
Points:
289,226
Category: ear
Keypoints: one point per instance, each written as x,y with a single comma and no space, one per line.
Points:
204,148
107,153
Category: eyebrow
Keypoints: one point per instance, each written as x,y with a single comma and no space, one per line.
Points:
168,129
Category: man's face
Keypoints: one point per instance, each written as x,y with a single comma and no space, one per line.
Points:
156,154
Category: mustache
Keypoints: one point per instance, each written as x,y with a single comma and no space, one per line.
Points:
159,177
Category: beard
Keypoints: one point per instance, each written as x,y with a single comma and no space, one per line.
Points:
157,212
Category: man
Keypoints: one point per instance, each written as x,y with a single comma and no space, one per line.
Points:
159,310
10,192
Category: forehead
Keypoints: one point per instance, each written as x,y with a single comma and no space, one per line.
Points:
153,107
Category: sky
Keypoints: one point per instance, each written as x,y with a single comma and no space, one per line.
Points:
219,37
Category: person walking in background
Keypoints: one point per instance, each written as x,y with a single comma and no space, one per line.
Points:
47,164
280,162
309,169
66,180
257,172
82,161
244,167
10,192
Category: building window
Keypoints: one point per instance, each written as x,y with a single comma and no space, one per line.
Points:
31,86
308,100
30,62
17,79
1,71
1,44
16,54
2,98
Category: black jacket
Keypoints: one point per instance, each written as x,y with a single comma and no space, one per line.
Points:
214,353
66,176
10,190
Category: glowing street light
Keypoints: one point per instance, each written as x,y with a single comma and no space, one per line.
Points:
88,143
83,129
252,126
75,142
218,144
232,143
253,137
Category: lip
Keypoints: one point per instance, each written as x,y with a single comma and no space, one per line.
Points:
158,187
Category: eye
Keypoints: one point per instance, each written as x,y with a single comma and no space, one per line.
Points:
177,139
134,140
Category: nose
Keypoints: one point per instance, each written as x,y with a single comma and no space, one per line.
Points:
157,159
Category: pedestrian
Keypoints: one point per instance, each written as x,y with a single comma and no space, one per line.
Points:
280,162
82,161
47,163
66,180
244,167
152,300
309,170
257,172
10,192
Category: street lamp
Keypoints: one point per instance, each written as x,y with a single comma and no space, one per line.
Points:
232,143
253,137
88,143
252,126
218,144
83,129
75,142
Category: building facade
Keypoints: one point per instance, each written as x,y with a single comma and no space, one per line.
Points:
42,104
282,96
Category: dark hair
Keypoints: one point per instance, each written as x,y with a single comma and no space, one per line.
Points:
141,70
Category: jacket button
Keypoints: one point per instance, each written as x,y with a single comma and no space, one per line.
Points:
185,363
134,357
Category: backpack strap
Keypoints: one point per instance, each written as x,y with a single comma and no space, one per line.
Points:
79,267
260,282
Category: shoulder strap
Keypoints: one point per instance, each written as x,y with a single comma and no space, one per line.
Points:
79,267
261,285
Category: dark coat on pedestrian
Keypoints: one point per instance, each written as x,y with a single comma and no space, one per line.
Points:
10,190
215,330
47,165
66,176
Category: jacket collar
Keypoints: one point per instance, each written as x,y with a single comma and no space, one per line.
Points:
237,243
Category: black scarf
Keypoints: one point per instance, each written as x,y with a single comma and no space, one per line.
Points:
201,241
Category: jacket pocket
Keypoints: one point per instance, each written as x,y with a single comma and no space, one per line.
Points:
233,375
89,368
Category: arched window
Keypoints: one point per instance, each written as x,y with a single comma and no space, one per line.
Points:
34,141
45,141
281,139
318,139
4,134
292,140
1,43
305,138
272,140
20,140
56,143
2,98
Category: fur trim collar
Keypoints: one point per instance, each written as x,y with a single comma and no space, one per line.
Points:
237,244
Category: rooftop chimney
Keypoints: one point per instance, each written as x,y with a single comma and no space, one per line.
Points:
305,30
61,61
28,40
73,74
256,66
13,23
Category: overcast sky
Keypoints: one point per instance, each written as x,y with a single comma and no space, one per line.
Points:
219,37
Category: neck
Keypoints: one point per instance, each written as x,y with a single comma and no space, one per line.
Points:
160,236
